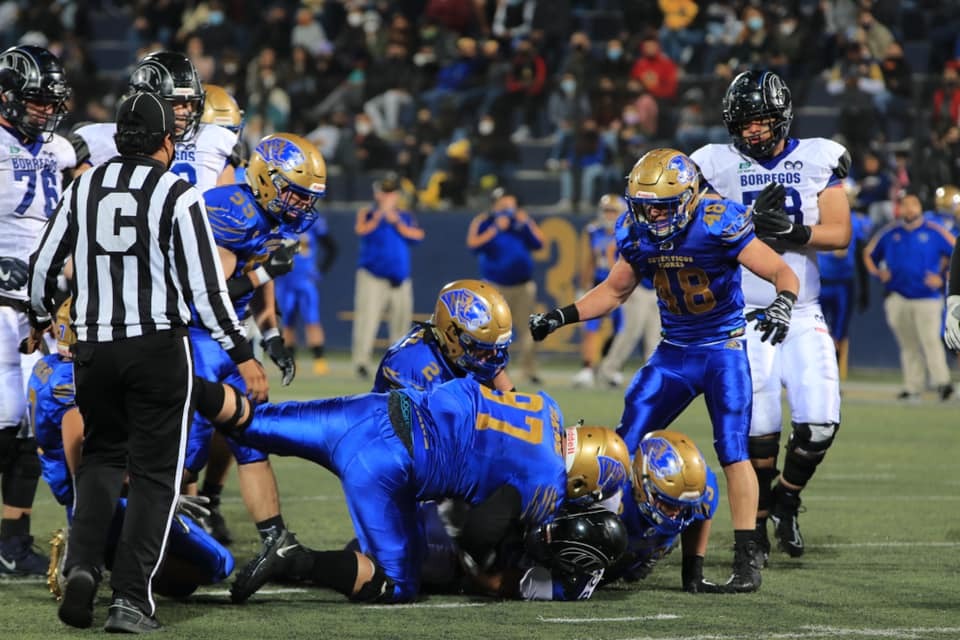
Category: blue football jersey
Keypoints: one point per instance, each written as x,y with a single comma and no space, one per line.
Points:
413,362
470,440
243,228
645,546
696,275
603,246
50,394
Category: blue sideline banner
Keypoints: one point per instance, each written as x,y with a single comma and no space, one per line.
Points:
443,257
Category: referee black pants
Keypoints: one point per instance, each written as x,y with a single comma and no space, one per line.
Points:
135,398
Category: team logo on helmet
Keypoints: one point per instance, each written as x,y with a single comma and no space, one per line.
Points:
663,458
466,308
282,153
612,474
684,168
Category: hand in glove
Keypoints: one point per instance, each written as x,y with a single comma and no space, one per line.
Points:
194,506
771,221
543,324
774,320
280,261
13,274
281,357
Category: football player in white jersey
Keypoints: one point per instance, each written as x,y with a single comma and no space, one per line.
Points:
800,207
33,95
203,151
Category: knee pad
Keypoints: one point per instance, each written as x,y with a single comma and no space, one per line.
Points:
806,448
378,589
764,447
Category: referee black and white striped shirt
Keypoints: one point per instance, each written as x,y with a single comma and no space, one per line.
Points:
142,252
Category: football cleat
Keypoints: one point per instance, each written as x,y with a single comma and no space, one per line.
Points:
785,523
746,570
17,558
584,378
277,560
58,554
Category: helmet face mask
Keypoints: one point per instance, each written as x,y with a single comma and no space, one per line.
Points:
475,327
35,91
288,175
758,96
669,480
578,540
173,77
663,190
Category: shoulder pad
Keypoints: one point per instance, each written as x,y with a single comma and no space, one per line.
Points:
80,147
842,170
229,218
729,224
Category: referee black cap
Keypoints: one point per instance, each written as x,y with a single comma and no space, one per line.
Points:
147,113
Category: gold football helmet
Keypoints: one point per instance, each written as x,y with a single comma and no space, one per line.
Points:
65,334
288,175
663,190
474,326
221,109
669,480
609,209
947,199
598,463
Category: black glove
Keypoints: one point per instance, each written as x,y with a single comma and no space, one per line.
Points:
280,261
281,357
13,274
543,324
771,221
774,321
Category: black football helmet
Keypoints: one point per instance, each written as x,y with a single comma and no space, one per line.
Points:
172,76
757,95
578,540
30,74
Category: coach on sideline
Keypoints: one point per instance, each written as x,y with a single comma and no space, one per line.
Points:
142,253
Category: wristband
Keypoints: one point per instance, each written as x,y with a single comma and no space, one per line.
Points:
569,314
270,333
789,295
262,276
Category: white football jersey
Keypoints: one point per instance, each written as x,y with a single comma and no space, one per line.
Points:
199,161
806,167
32,181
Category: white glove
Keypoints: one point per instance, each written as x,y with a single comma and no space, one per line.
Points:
951,334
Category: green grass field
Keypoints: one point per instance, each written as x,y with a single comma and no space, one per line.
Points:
881,526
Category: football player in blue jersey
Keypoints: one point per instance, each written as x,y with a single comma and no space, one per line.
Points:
692,243
298,295
502,453
193,558
469,334
256,227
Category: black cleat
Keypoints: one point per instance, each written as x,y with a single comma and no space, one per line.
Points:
277,560
18,558
746,569
126,617
786,526
76,608
763,542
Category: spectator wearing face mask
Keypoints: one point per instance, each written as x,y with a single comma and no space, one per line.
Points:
495,156
615,63
753,44
567,104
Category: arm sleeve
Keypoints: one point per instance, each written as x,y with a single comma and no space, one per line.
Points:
203,277
47,261
330,251
954,288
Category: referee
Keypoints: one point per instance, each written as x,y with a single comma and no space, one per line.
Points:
142,253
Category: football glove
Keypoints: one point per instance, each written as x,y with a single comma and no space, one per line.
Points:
951,334
13,274
543,324
280,261
281,357
771,221
196,507
774,321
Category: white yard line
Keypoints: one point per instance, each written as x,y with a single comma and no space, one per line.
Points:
890,544
814,632
657,616
261,592
425,605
